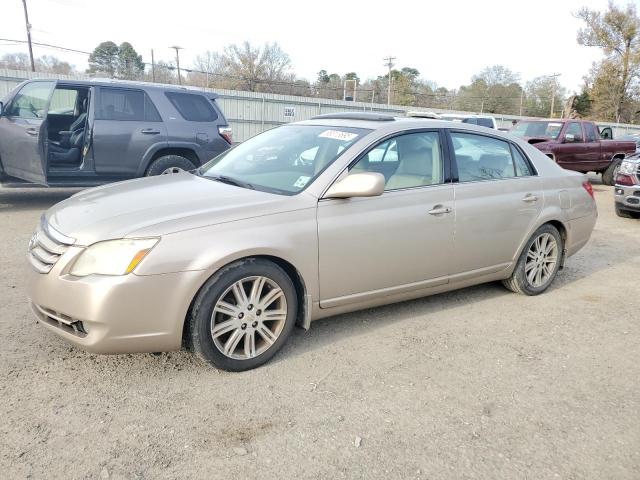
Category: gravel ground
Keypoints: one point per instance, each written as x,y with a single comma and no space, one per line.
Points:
478,383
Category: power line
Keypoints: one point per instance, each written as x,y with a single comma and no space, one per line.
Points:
389,63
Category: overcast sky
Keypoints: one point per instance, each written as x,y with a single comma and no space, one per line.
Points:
447,41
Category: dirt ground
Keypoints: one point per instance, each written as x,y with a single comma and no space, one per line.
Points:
479,383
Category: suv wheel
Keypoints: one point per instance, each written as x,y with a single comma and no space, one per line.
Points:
539,262
169,164
609,175
243,315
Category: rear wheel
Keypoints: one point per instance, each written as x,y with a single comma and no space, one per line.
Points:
609,175
169,164
621,212
539,262
243,315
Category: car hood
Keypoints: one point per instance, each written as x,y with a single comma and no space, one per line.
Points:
160,205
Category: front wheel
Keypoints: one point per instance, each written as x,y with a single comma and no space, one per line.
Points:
539,262
609,175
243,315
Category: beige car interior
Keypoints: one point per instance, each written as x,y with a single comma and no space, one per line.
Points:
419,162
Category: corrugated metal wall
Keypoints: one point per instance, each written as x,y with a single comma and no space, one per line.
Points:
250,113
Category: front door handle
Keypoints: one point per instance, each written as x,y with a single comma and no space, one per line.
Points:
439,210
150,131
530,198
32,131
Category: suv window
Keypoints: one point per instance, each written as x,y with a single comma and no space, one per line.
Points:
574,129
192,107
485,122
120,104
590,132
406,161
31,101
483,158
63,102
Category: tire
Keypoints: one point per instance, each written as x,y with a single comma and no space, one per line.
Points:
163,165
521,281
609,175
218,308
621,212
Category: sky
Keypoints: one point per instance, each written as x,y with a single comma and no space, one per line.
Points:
447,41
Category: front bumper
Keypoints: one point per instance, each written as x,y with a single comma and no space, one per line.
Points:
627,198
114,314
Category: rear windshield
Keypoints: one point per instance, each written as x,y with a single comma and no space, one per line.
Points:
537,129
193,107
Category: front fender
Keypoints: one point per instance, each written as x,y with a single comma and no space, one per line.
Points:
289,236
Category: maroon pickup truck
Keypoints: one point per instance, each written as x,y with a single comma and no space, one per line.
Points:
576,145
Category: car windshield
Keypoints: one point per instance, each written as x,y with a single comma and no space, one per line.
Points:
283,160
537,129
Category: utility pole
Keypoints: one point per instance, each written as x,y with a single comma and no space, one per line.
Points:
553,92
521,99
28,25
177,49
389,64
153,67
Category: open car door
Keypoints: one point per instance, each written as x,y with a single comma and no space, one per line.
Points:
23,132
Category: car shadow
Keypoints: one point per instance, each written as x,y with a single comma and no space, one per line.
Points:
32,197
329,330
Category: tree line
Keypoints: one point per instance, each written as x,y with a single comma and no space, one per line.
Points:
611,89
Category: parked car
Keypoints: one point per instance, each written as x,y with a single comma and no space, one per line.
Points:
627,188
226,259
576,145
419,114
482,120
85,133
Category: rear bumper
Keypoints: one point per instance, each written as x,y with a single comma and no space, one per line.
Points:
627,198
124,314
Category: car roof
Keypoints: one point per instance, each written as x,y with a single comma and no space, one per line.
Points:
108,82
401,123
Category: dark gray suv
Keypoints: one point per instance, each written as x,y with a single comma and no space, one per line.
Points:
84,133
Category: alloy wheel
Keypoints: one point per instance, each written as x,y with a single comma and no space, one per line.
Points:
542,258
248,317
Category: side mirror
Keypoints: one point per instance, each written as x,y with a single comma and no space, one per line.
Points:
1,108
569,137
366,184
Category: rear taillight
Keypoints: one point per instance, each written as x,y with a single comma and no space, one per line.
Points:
626,180
587,186
226,133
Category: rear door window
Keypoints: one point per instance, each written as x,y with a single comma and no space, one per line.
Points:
121,104
192,107
482,158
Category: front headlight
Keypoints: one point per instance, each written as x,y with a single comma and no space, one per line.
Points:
112,257
627,168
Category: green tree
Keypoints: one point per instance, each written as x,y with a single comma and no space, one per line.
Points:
129,64
104,59
537,96
614,80
495,89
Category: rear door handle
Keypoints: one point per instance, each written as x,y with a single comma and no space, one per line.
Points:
32,131
439,210
150,131
530,198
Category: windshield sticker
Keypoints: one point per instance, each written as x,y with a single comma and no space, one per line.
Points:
301,182
553,124
338,135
